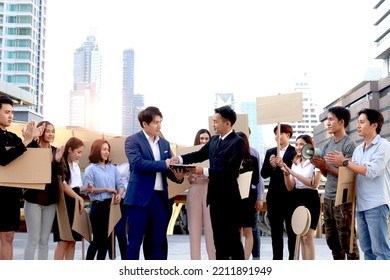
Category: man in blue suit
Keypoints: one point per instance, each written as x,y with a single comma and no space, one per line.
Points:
146,198
225,152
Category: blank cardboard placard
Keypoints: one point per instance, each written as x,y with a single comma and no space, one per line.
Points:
346,186
241,124
62,136
62,214
30,170
81,223
115,215
175,188
244,183
117,152
279,108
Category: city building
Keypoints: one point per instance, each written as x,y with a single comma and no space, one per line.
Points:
132,103
309,110
372,93
85,98
256,138
22,57
222,99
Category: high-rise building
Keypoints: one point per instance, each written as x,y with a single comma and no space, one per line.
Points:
374,91
256,138
22,46
222,99
132,103
381,16
310,115
85,96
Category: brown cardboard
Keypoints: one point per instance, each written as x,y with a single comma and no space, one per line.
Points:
62,136
37,186
117,153
115,215
279,108
62,214
346,186
81,223
31,170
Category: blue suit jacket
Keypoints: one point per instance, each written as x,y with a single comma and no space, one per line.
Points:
143,169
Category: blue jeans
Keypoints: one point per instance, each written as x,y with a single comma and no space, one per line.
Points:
256,238
373,233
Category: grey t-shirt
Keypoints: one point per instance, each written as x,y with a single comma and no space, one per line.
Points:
346,145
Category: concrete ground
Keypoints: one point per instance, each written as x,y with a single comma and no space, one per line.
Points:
178,245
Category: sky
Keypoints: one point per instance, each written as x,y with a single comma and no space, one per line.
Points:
186,51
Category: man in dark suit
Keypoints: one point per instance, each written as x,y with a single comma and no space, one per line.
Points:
278,197
146,198
225,152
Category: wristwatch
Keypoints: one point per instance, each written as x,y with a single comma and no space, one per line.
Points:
345,162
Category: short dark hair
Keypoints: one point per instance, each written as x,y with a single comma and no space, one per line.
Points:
147,115
341,113
285,128
95,155
373,116
227,113
197,136
6,100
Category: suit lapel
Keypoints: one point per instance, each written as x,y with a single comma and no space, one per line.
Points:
289,150
146,144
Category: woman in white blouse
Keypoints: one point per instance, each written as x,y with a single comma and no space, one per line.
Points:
303,180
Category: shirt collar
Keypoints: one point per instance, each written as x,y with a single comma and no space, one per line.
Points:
149,138
226,135
284,149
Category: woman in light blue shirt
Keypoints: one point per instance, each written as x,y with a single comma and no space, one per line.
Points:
107,183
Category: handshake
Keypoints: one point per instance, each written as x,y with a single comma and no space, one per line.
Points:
174,164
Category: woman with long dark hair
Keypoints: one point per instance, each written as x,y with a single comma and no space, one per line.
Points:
40,205
303,180
197,210
248,205
72,188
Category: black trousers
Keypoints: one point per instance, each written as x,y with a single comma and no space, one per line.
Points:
99,215
279,215
226,230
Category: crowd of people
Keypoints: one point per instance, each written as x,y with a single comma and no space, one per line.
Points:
215,206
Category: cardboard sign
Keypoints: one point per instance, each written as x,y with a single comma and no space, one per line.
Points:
62,214
244,183
30,170
81,223
279,108
115,216
346,186
117,153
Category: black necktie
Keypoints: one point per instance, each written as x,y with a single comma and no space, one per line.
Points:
219,142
